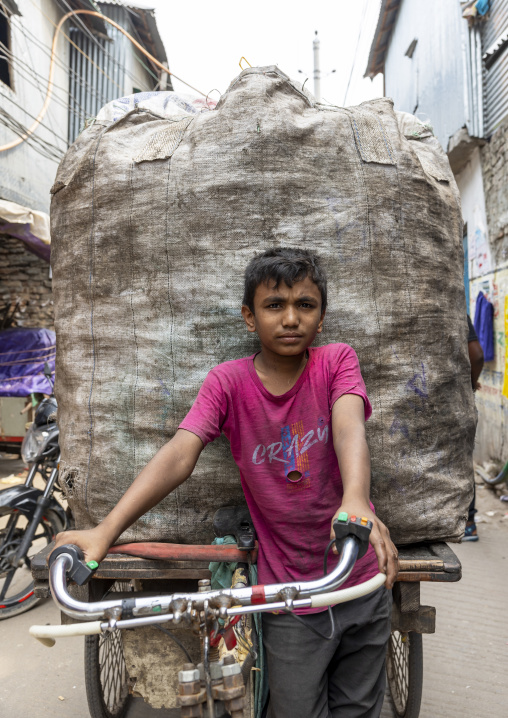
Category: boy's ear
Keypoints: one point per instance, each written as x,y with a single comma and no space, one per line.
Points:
248,318
320,325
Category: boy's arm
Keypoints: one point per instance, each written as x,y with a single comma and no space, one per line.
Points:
348,429
169,468
476,359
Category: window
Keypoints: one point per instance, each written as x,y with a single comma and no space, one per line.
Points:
5,48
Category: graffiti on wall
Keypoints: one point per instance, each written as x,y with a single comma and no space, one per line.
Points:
492,397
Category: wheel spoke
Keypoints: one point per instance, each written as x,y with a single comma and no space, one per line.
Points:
16,579
107,681
112,670
398,671
7,583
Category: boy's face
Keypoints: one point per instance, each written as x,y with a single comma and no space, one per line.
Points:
286,319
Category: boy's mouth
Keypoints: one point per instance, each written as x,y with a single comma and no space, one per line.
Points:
290,338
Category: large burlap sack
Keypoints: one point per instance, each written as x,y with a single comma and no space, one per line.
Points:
154,217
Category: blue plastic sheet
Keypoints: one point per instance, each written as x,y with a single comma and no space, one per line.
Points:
23,353
482,7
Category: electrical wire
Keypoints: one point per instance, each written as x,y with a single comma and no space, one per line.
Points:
27,73
42,124
138,46
299,619
356,50
58,28
32,77
131,11
176,640
44,148
47,51
101,47
41,92
49,91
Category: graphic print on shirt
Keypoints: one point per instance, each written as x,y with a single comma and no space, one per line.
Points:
297,462
293,452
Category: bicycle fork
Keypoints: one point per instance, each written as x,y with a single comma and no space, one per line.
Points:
211,680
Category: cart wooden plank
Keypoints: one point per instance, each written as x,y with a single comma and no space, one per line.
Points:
417,562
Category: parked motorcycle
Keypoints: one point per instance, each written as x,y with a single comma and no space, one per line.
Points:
29,517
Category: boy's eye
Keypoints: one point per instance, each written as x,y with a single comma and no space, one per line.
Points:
306,305
274,305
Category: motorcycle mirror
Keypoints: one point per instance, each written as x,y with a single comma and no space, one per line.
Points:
47,370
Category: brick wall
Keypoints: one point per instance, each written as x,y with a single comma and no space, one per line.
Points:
494,156
25,278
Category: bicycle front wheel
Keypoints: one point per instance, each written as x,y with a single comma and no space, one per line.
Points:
404,671
106,677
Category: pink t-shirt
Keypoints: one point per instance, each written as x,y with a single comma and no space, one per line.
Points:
271,436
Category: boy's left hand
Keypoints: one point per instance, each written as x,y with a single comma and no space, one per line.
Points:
386,551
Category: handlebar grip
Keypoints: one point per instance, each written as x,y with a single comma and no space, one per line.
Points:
80,571
360,528
48,634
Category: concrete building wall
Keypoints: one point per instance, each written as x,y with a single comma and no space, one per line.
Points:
494,156
491,278
430,84
26,175
492,405
471,186
437,84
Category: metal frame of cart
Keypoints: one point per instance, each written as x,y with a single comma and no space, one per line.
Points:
417,563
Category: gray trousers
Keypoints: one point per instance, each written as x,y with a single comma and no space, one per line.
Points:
310,677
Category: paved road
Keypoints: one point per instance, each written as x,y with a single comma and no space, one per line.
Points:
465,661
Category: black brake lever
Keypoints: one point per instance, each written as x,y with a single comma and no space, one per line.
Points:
80,572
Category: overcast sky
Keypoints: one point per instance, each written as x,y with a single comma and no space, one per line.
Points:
205,40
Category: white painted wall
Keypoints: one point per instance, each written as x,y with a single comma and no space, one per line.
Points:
470,183
433,78
137,75
25,175
492,434
492,430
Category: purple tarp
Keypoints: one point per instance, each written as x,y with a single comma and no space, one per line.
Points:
23,353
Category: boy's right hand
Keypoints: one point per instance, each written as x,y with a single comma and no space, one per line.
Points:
93,542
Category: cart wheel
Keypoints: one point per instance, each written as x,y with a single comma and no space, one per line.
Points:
404,670
106,677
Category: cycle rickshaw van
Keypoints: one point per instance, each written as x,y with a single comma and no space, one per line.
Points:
164,201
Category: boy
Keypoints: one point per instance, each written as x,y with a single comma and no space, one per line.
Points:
292,413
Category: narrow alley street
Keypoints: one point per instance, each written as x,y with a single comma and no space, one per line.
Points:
464,662
229,237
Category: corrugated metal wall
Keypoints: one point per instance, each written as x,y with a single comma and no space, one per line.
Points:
496,77
473,81
100,77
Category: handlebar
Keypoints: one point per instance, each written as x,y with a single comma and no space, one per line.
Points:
352,537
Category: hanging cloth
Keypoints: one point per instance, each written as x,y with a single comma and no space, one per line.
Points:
484,325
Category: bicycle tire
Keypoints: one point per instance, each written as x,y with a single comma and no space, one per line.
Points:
494,480
23,599
404,671
106,677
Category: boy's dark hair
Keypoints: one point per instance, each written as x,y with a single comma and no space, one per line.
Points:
287,265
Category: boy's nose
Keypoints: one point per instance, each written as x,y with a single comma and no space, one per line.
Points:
290,317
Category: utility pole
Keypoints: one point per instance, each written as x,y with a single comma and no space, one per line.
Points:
317,72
